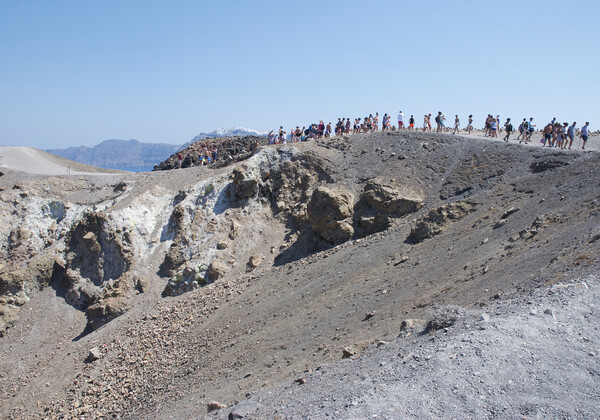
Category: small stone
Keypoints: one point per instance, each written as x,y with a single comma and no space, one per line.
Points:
214,405
188,272
222,245
93,355
509,212
348,353
242,409
89,235
369,315
21,299
407,324
485,317
255,260
499,224
300,381
143,285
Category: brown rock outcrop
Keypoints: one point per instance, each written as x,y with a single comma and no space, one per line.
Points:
383,201
330,213
437,219
216,270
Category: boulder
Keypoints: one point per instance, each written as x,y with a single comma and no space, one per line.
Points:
93,355
389,198
330,212
190,278
214,406
437,220
216,270
244,185
105,310
383,201
234,230
242,410
255,261
174,259
120,187
142,284
96,254
348,352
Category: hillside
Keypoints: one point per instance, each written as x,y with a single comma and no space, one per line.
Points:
229,283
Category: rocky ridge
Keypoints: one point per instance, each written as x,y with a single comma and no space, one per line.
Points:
336,242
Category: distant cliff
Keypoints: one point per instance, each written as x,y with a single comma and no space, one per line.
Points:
126,155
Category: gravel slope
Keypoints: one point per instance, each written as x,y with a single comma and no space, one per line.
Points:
531,357
533,223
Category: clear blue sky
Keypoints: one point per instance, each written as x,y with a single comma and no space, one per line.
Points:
79,72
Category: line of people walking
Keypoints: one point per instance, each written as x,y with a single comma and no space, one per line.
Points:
554,134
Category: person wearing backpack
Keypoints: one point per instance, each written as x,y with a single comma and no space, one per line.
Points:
523,129
508,127
438,121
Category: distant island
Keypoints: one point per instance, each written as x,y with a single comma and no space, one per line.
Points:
134,155
124,155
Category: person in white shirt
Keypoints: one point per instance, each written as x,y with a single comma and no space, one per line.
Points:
585,132
400,121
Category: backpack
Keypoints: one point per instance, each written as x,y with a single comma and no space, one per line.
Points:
437,119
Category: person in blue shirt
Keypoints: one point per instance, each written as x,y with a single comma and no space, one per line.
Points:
585,132
571,134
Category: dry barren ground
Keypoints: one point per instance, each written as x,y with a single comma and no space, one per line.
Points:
501,225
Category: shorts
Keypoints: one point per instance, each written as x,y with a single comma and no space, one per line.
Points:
400,124
584,138
411,125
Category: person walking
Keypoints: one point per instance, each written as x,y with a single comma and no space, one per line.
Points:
585,132
571,134
400,120
438,121
456,124
508,127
